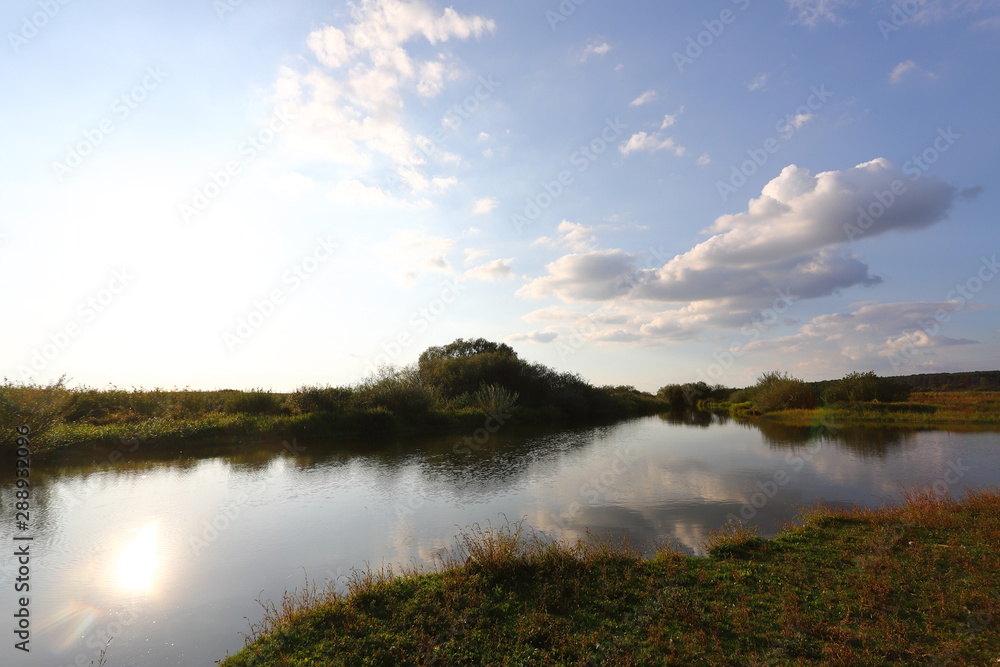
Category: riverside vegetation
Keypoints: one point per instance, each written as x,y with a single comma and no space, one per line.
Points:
911,583
863,399
455,387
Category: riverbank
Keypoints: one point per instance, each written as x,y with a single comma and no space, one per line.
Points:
909,583
217,428
924,409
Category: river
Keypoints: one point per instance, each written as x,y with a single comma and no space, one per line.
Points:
167,551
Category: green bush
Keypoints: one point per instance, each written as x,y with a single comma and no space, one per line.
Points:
495,399
40,408
779,391
252,402
309,399
399,391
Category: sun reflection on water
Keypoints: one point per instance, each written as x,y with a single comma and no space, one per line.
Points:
137,564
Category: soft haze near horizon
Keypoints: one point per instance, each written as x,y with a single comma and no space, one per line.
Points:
236,194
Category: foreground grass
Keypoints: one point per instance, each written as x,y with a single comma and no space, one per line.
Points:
930,409
912,583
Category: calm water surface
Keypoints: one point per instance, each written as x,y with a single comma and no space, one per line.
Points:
168,556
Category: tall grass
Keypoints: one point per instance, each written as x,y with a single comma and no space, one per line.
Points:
39,407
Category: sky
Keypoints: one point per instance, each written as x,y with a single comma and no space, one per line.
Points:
231,194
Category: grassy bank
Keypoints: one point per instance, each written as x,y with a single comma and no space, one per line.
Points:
912,583
66,419
460,387
927,409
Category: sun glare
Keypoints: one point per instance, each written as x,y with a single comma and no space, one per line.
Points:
138,561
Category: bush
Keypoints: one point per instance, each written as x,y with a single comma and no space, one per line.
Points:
494,399
399,391
865,388
253,402
309,399
38,407
741,396
779,391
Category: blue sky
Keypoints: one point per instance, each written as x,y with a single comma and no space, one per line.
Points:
241,194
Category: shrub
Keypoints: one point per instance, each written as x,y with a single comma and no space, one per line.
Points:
38,407
253,402
308,399
779,391
399,391
494,399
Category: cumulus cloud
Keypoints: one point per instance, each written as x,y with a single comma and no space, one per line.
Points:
791,243
889,335
348,108
589,276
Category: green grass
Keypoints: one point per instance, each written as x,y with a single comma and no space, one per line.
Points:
930,409
915,582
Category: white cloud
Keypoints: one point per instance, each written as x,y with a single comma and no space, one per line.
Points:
799,120
330,46
595,49
875,334
349,108
645,98
927,12
790,243
900,71
498,269
577,237
592,276
704,160
643,141
485,205
533,337
668,121
572,235
473,254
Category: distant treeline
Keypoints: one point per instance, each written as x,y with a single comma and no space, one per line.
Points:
970,381
982,380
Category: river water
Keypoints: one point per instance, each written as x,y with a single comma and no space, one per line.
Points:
168,551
